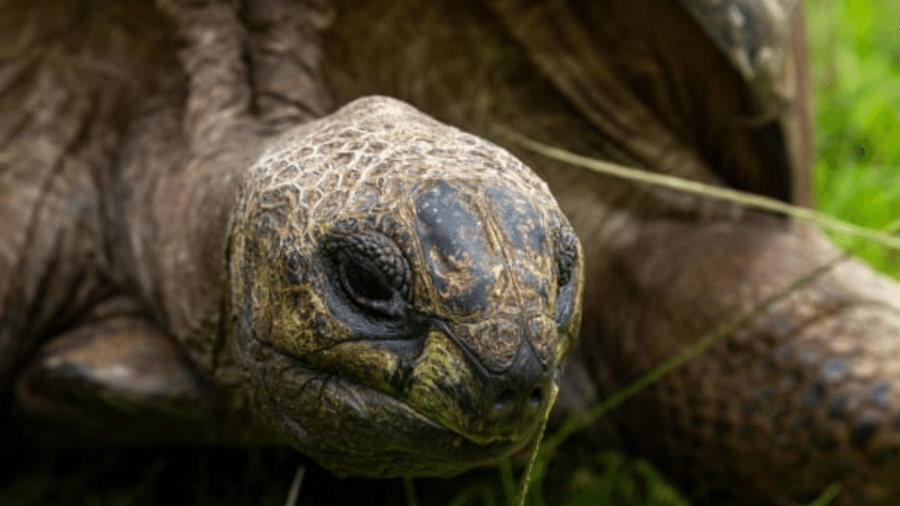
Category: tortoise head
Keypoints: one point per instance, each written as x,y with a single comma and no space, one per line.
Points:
403,293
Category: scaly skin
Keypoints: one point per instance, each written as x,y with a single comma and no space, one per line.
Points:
379,397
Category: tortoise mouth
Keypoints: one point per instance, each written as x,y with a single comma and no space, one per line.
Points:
439,452
354,429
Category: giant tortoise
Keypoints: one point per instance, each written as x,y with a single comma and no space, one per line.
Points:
207,235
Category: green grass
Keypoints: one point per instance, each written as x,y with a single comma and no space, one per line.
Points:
856,62
856,71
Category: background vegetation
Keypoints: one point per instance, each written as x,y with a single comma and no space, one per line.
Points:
856,62
855,47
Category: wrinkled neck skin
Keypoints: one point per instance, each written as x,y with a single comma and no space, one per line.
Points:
175,223
171,231
188,150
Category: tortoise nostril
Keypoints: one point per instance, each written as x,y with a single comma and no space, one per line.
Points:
536,397
518,391
503,399
512,400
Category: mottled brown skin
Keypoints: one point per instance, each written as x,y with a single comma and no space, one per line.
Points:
800,397
387,294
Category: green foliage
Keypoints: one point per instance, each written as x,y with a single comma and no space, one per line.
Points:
856,74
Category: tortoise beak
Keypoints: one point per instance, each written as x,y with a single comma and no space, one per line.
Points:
521,393
452,386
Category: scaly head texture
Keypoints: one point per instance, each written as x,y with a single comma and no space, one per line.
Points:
403,293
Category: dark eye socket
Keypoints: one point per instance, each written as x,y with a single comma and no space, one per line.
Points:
567,257
371,270
566,262
363,281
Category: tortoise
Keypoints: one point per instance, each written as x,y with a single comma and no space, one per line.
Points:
183,238
385,293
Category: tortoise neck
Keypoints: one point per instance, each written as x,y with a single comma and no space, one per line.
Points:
174,207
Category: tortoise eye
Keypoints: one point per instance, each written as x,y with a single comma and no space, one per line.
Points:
372,270
567,256
566,262
363,281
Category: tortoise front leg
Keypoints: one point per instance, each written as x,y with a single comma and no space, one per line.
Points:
804,394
